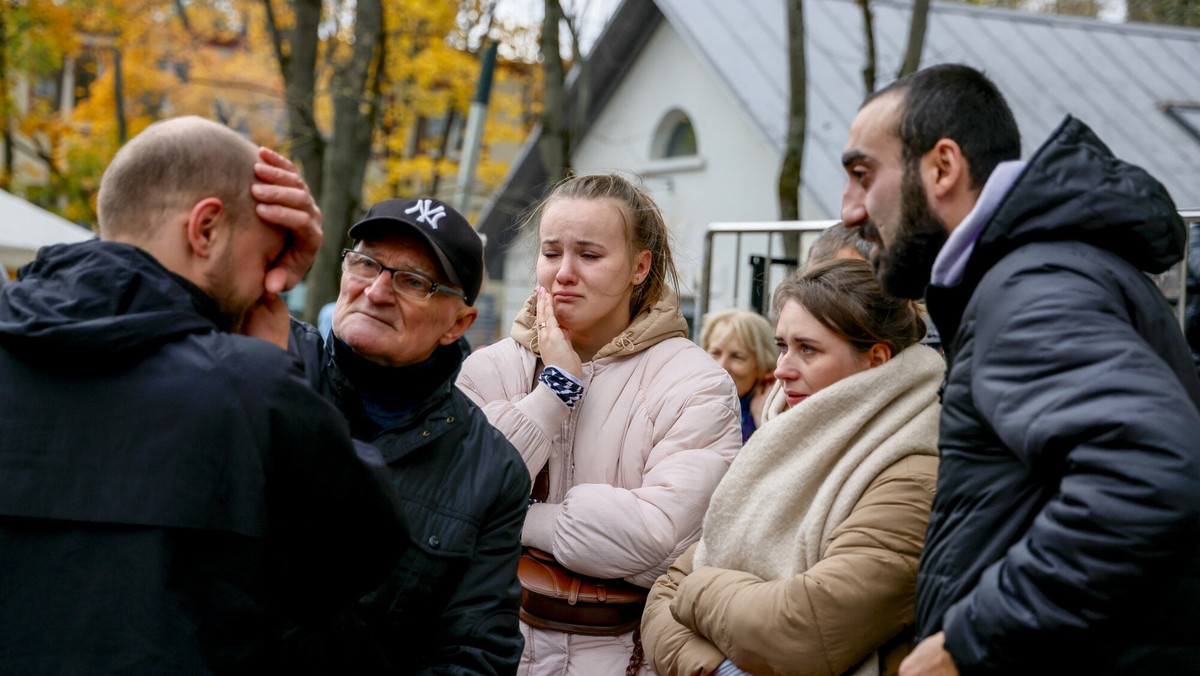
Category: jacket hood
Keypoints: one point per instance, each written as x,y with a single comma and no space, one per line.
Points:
1073,189
97,302
661,321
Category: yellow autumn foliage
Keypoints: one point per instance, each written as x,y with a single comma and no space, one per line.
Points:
218,61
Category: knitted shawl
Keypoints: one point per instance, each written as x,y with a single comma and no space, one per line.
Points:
801,474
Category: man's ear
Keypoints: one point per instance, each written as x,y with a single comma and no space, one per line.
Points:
946,179
462,321
202,225
945,171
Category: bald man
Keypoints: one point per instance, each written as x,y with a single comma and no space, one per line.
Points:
175,493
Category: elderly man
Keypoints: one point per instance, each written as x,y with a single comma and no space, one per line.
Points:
174,494
1065,535
407,294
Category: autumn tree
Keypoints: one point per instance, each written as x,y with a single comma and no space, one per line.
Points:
90,75
333,169
1173,12
36,38
367,94
378,91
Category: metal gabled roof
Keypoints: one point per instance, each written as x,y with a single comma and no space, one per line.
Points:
1115,77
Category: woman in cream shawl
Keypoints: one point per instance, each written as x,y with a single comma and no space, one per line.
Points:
808,559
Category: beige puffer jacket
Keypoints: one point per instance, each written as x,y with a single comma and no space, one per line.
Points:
632,465
860,594
777,593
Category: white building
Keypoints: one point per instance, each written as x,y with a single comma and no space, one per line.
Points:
691,95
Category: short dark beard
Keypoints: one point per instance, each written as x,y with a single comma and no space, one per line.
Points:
221,288
903,269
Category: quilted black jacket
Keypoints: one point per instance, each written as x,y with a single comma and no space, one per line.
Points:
1065,535
172,495
450,606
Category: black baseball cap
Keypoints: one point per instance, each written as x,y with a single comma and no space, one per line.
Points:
453,240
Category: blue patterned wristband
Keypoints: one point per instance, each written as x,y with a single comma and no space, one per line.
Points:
566,386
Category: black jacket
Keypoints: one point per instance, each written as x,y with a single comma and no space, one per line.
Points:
1192,311
172,495
451,603
1065,535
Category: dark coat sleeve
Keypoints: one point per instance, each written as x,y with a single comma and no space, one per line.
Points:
1192,322
305,344
1067,384
337,519
480,629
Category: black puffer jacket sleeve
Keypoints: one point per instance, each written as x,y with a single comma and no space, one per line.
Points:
343,520
1062,376
1192,323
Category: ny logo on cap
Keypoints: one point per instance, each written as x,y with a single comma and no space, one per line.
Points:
427,215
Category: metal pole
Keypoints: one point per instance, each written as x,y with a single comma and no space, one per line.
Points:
473,139
705,285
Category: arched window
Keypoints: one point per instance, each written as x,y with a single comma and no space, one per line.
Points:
675,137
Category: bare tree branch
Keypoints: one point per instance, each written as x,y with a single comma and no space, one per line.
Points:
276,36
583,80
916,38
869,39
554,144
298,67
181,12
793,156
347,154
6,135
235,84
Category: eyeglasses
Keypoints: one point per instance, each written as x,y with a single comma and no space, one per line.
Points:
406,282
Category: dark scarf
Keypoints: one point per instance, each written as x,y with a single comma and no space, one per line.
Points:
389,394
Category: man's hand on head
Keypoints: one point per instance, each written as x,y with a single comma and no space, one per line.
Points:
284,201
269,320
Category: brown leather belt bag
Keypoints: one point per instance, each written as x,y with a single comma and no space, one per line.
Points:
553,597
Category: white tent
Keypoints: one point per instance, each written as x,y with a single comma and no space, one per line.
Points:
25,227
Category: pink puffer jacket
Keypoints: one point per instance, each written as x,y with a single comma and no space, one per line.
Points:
633,464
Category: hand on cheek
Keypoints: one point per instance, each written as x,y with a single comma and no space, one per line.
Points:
268,319
554,342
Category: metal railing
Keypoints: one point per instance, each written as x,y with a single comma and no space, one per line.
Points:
763,259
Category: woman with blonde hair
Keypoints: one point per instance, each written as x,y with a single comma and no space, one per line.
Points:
625,424
809,555
743,343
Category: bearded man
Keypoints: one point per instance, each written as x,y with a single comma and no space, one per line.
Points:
1065,535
